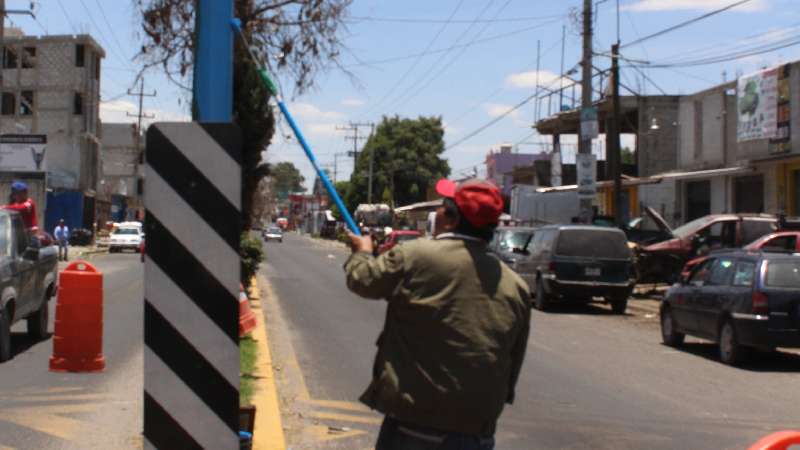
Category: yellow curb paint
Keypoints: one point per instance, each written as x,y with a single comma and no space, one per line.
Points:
268,431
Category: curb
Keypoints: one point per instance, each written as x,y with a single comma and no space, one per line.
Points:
268,430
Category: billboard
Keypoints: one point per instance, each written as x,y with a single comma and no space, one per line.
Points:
23,152
586,165
757,106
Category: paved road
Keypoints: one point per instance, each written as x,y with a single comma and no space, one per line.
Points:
591,380
45,410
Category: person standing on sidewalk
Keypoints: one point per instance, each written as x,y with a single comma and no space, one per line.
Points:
20,202
456,327
61,234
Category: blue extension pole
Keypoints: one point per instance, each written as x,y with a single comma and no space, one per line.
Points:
213,72
264,75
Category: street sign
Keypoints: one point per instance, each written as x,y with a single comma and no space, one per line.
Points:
586,173
590,128
23,152
191,307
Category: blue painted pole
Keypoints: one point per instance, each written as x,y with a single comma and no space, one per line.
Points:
213,70
236,25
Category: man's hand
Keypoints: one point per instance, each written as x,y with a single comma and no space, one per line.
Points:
360,243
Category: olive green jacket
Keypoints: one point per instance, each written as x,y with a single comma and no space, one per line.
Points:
455,334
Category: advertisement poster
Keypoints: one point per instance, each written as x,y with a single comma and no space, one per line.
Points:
757,106
587,175
23,152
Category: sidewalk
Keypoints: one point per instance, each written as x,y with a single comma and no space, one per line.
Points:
82,252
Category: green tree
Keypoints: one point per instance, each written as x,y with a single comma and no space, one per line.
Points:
407,161
301,38
627,156
286,179
343,188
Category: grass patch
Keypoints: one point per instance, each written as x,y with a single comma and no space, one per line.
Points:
247,355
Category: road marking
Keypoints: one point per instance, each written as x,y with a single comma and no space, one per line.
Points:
268,432
297,392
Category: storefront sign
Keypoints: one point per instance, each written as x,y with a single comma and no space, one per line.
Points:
587,173
757,106
23,152
781,143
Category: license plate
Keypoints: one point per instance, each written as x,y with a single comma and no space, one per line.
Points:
592,271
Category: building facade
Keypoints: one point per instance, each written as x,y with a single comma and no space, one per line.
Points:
501,162
120,171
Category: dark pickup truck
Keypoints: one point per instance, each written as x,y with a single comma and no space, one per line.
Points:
28,277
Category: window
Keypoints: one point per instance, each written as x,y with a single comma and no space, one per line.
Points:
20,234
97,67
9,104
783,273
592,244
701,273
80,55
28,57
77,104
9,58
754,229
26,103
6,238
745,272
721,272
781,243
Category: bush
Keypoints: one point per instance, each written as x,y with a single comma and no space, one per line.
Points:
251,255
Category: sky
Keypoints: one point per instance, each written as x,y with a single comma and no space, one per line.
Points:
466,61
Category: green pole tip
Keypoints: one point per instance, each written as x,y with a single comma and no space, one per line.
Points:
268,81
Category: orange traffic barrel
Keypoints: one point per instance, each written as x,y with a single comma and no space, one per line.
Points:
247,319
782,440
78,334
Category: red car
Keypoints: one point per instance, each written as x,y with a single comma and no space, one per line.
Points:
396,237
780,240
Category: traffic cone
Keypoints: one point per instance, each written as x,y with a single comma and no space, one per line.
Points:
247,320
781,440
78,336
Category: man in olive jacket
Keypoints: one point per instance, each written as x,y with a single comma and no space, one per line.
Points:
456,327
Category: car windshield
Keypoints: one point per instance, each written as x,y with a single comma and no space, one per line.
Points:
274,231
406,237
783,274
692,227
126,231
593,244
511,239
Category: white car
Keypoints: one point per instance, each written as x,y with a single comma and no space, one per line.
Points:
273,234
124,237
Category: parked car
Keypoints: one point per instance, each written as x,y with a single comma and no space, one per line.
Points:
639,230
396,237
782,241
578,263
273,234
126,236
510,244
29,280
740,299
81,236
663,261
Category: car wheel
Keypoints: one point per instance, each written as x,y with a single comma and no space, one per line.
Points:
38,322
541,302
5,336
619,305
730,351
668,333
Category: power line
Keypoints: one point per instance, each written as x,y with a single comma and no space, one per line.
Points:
416,61
108,24
731,56
71,24
686,23
446,49
492,122
101,32
419,20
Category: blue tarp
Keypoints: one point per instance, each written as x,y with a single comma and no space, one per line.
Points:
119,208
64,205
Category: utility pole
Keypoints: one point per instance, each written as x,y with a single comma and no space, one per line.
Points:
561,80
585,139
336,164
614,155
355,137
138,138
538,60
371,165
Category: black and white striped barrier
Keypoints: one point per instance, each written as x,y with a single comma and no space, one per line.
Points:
191,309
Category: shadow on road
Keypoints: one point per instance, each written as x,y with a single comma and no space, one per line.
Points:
589,309
756,361
21,342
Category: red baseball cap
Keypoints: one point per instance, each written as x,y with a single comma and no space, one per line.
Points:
478,201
